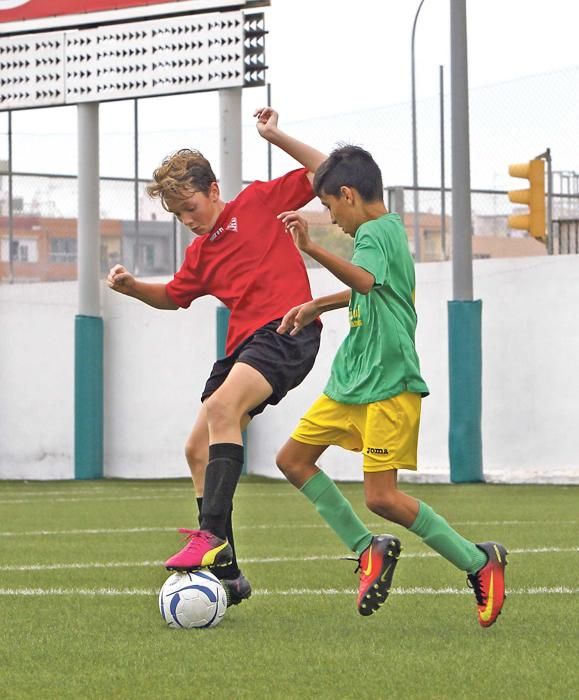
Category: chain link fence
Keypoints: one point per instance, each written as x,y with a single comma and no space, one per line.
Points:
38,234
38,211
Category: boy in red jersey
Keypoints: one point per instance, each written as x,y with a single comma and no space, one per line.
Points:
241,254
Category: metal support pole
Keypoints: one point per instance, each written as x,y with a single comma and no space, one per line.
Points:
442,167
137,252
10,204
416,227
461,212
88,210
464,314
230,142
396,201
176,260
269,149
88,322
547,157
231,183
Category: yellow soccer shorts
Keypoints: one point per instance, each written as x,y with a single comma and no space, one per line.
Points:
386,432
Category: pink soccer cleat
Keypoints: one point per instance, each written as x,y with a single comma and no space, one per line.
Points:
203,549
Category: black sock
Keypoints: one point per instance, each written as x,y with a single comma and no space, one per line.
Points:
231,570
221,477
199,508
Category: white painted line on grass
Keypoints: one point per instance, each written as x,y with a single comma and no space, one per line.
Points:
421,590
187,489
155,496
93,592
132,530
284,526
255,560
87,531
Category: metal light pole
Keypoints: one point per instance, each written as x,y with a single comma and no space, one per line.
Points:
417,242
464,313
269,154
88,383
442,167
137,249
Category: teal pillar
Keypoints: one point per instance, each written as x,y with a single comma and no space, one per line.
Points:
222,319
465,385
88,397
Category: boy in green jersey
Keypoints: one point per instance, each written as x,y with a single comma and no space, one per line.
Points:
371,403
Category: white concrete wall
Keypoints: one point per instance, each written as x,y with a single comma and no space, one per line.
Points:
156,363
155,367
37,380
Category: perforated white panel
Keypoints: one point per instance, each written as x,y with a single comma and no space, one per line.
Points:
32,71
139,59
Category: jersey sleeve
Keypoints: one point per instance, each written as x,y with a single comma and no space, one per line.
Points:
185,285
290,191
370,254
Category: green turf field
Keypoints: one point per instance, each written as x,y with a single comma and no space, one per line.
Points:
81,567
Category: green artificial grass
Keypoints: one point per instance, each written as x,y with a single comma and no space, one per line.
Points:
81,566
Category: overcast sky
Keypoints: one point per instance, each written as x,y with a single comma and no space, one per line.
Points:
325,58
335,55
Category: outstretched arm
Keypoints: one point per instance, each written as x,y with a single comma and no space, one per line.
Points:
267,126
300,316
153,294
354,276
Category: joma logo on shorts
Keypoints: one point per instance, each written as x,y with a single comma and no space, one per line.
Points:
376,451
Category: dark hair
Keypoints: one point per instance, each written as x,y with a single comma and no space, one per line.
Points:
350,166
179,175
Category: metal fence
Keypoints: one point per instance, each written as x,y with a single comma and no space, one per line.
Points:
507,125
38,227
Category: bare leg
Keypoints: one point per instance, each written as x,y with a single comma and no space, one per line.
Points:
297,461
384,498
197,451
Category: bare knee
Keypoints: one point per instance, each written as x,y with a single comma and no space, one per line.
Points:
284,463
196,453
220,413
384,504
295,469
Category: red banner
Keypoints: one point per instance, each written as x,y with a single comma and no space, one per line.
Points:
19,10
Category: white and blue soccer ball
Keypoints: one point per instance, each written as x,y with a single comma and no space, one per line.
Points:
192,599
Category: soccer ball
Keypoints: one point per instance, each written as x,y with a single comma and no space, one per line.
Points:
192,599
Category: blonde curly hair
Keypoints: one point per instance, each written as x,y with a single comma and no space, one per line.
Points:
179,176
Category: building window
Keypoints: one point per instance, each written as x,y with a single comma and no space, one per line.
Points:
23,250
148,256
432,244
62,250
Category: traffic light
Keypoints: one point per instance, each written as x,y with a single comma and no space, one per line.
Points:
534,221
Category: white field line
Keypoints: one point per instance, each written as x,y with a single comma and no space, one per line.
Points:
154,496
243,489
93,592
133,530
263,560
283,526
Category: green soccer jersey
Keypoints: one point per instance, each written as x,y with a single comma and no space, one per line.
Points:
378,359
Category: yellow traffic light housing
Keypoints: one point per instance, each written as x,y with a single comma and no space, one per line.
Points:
534,197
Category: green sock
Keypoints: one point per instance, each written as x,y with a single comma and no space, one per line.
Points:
437,534
337,512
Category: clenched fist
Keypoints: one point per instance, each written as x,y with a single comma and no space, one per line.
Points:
120,279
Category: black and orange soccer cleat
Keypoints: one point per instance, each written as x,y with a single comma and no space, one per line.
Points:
376,565
488,583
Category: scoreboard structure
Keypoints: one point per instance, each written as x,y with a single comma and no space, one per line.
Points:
131,59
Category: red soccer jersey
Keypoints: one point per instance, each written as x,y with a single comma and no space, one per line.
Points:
249,261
